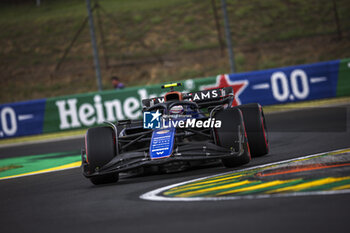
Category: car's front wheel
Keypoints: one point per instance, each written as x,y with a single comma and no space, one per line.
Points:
100,149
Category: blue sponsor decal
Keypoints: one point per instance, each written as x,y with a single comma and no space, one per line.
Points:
151,120
162,143
22,118
282,85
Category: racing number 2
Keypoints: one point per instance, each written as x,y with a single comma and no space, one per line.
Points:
8,122
282,92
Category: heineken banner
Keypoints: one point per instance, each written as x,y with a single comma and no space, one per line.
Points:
267,87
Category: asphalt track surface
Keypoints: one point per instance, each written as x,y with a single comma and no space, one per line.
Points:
67,202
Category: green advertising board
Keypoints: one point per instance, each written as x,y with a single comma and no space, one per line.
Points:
91,109
343,88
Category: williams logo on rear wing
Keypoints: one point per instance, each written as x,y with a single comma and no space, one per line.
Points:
207,98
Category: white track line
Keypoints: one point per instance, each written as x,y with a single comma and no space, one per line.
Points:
154,195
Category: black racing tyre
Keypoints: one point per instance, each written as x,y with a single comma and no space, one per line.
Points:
255,125
232,127
100,149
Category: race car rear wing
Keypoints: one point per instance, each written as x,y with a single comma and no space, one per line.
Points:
202,98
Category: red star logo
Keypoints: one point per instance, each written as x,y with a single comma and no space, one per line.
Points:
224,81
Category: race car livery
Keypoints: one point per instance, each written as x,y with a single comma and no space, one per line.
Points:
177,130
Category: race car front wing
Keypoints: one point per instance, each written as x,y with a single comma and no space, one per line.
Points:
182,152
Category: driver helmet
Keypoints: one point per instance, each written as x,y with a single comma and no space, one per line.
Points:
176,110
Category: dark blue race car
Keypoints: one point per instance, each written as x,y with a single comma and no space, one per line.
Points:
178,129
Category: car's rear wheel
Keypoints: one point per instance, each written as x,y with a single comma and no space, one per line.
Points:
100,149
254,120
232,135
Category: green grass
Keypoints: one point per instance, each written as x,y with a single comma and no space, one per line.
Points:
53,10
33,39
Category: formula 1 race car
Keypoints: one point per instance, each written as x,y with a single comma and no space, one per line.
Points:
177,130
